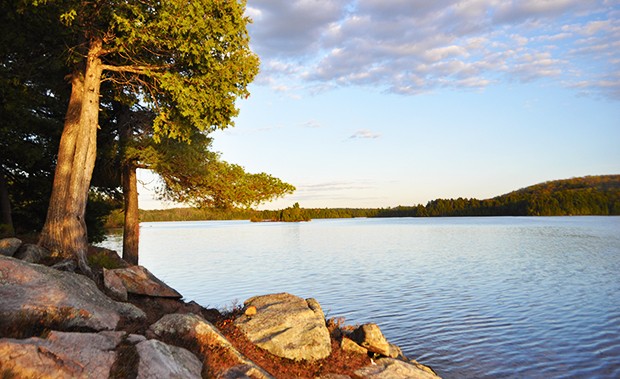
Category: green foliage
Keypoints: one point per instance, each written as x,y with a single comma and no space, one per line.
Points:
103,260
98,210
33,98
6,231
188,61
197,214
219,184
193,174
293,214
115,219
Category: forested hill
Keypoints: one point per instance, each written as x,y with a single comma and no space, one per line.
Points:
590,195
595,195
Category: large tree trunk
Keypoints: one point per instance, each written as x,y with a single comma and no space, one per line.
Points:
131,228
131,231
6,220
64,232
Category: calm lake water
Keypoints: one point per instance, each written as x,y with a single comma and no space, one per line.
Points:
472,297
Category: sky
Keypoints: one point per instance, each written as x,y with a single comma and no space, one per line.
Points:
380,103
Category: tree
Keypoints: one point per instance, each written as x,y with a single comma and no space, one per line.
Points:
191,172
186,61
293,214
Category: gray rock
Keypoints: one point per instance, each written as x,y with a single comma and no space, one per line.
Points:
114,286
138,280
159,360
287,326
237,372
32,253
370,337
68,265
32,295
61,355
8,246
389,368
135,339
193,330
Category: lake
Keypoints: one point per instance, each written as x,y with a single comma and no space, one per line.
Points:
497,297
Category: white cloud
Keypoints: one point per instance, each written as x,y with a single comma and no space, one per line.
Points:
364,134
416,46
292,28
312,124
511,11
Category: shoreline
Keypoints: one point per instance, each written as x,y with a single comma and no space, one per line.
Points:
348,352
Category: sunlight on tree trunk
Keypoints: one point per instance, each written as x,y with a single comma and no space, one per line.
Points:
64,232
131,229
129,182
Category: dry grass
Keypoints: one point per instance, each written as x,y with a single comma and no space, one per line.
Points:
338,362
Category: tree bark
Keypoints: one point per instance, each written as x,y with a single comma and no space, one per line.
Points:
64,232
131,231
6,220
131,227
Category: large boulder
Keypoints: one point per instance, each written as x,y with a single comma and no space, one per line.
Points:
159,360
138,280
389,368
8,246
287,326
60,355
194,331
38,297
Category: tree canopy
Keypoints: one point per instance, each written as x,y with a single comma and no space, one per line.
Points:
184,64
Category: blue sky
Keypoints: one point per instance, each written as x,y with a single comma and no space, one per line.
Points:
378,103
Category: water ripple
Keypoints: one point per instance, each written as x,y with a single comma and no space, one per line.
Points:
474,298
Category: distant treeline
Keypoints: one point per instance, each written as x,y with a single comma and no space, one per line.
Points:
590,195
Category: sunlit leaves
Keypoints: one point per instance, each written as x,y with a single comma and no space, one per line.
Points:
198,60
67,18
187,61
210,182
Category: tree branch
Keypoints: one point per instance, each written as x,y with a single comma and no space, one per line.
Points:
134,68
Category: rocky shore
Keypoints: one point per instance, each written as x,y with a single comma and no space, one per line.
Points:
126,323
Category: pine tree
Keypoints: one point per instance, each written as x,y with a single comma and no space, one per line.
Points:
186,61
